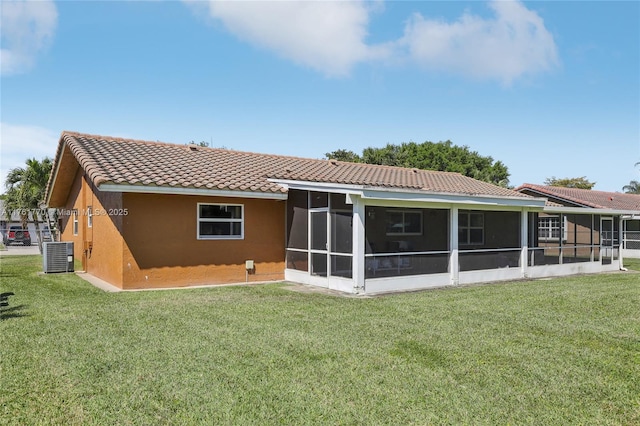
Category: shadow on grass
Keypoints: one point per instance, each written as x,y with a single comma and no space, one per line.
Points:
13,312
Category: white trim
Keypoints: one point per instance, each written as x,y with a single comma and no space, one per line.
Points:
220,220
524,242
454,269
75,224
589,210
406,283
110,187
423,196
358,235
489,275
89,216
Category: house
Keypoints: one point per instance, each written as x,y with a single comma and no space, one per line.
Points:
627,206
39,233
151,215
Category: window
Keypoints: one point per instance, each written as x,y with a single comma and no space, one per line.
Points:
404,222
75,222
220,221
89,217
549,228
470,228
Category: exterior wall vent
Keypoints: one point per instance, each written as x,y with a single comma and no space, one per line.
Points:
57,257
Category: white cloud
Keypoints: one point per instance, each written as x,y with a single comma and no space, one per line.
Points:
331,37
26,28
326,36
18,143
513,44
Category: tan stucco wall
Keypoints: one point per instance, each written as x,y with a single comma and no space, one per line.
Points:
150,241
98,247
161,248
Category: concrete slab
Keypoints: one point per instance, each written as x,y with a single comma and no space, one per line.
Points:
97,282
20,251
310,289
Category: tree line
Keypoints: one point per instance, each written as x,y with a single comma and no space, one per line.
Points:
440,156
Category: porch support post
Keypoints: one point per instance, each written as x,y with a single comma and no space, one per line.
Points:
620,242
358,244
524,242
454,267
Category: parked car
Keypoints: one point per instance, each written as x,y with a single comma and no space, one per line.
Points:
16,234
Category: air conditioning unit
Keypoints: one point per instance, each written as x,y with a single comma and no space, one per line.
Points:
57,257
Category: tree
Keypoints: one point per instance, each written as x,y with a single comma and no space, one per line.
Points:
26,188
343,155
632,188
442,156
201,143
578,183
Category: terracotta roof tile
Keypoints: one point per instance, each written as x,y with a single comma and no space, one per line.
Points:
135,162
584,197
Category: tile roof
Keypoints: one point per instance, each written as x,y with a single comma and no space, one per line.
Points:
584,197
155,164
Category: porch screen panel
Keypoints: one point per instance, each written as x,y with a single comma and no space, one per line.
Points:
318,230
298,260
406,241
631,234
578,243
342,266
297,220
544,247
319,264
500,245
341,247
341,225
297,256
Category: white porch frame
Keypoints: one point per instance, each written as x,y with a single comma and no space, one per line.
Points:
360,197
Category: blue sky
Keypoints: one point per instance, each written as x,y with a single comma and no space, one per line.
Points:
548,88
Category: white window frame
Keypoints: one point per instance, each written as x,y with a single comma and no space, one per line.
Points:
468,227
75,223
221,220
89,217
562,227
404,212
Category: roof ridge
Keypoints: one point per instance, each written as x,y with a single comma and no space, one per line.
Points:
590,191
292,157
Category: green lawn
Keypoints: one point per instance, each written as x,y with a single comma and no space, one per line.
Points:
632,264
562,351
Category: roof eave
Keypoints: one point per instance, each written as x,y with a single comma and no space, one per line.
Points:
172,190
414,195
591,210
65,167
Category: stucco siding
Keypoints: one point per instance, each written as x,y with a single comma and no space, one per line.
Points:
161,247
98,247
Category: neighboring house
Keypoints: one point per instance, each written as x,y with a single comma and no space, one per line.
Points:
151,215
605,205
7,222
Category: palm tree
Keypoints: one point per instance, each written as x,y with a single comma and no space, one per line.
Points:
25,189
632,188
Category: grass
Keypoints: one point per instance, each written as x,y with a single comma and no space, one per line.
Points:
632,264
562,351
